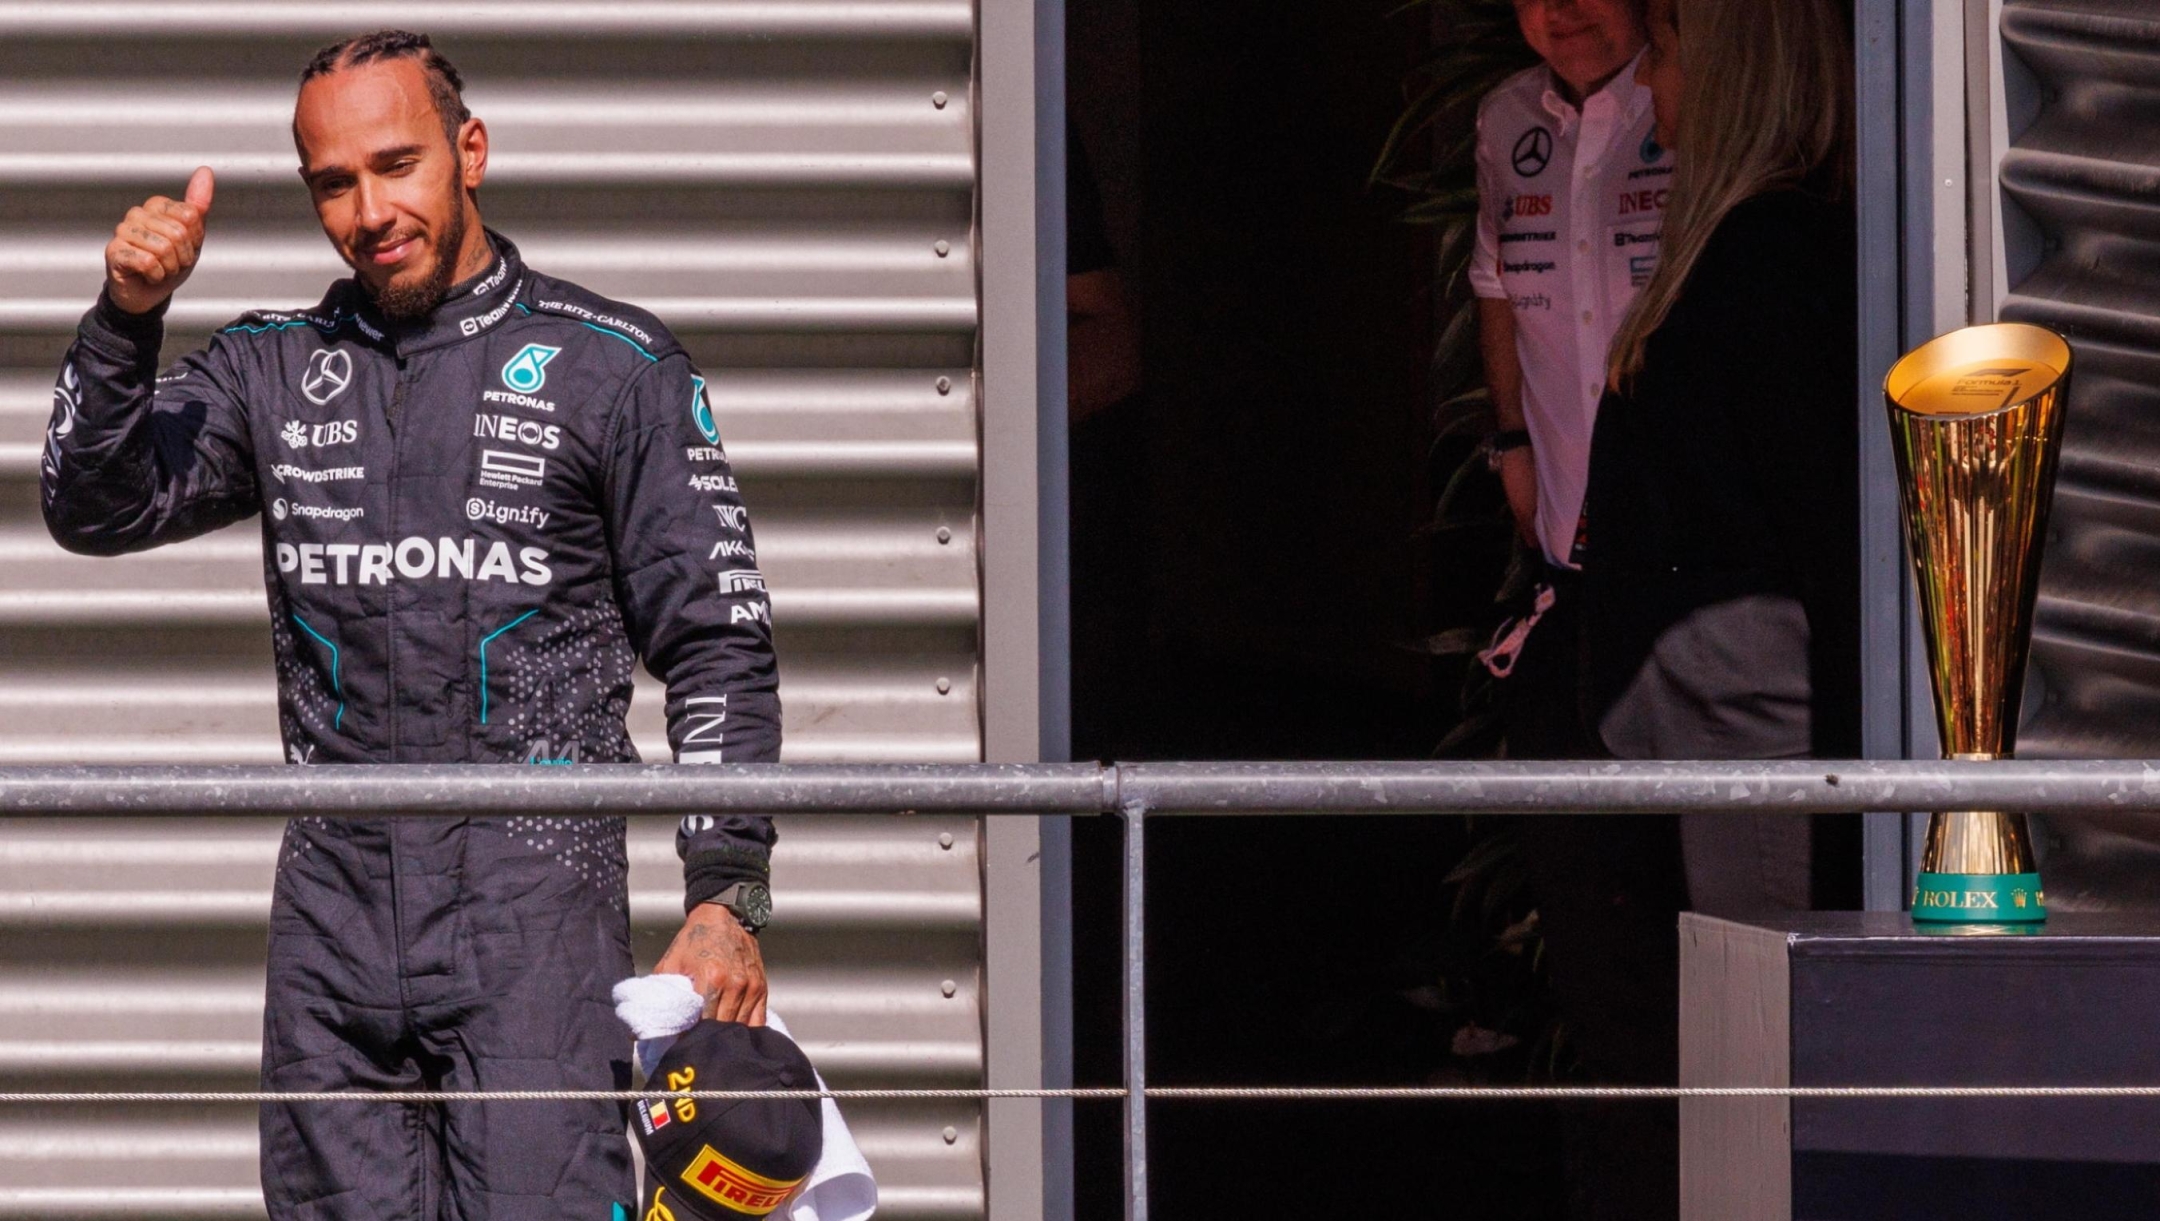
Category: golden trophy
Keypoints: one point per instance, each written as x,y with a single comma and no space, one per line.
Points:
1976,423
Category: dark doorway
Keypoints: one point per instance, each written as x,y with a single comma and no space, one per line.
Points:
1249,583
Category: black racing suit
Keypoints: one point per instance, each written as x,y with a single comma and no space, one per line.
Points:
473,527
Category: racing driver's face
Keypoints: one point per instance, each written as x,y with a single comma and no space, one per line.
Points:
395,197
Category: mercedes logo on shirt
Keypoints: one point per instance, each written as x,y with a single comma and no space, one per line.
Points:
329,372
1533,152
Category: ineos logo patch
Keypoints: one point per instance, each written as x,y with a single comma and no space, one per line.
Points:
329,373
1533,152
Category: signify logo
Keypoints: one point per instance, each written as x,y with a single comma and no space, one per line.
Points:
479,508
413,559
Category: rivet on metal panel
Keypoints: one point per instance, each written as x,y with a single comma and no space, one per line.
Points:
944,686
938,99
944,840
943,249
944,535
949,988
952,1136
944,385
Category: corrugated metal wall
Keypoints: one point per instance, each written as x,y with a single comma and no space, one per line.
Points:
790,185
2083,177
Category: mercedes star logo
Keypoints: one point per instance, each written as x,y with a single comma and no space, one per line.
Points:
1533,152
329,372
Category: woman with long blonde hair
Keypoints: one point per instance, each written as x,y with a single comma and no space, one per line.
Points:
1721,535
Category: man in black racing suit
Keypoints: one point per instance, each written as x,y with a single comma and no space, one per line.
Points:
485,495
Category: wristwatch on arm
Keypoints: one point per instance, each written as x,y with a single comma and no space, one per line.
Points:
749,902
1503,441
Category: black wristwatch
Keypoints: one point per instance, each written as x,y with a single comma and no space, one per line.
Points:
1503,441
750,902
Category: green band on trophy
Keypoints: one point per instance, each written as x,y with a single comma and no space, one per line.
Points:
1983,898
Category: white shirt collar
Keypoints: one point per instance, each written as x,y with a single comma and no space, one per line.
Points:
1628,97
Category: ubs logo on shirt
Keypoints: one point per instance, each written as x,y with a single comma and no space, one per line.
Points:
1526,205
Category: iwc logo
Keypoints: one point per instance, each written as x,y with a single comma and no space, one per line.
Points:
526,372
329,374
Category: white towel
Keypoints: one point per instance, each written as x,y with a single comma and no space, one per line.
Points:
656,1008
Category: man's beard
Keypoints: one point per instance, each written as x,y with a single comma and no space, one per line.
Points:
416,300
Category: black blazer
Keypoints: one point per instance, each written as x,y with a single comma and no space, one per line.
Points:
1721,561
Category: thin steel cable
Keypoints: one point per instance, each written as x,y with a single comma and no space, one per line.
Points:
1467,1093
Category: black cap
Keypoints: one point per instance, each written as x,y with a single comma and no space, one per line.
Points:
723,1159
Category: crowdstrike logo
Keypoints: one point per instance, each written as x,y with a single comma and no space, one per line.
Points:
481,509
526,372
329,374
413,559
335,474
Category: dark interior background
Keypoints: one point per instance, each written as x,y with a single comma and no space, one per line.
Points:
1248,580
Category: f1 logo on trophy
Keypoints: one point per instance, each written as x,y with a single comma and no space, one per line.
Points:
1976,423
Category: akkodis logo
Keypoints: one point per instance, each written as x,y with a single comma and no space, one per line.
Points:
701,411
526,372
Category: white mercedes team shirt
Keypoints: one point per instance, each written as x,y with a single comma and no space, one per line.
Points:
1570,206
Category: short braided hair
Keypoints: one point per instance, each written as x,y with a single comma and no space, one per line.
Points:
445,87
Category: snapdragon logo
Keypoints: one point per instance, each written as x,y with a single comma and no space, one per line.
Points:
413,559
322,513
526,372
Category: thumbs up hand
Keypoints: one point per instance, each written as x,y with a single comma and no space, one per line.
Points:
154,248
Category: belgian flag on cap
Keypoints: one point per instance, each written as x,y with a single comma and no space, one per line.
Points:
719,1160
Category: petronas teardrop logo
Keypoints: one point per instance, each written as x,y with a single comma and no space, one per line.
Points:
526,372
701,411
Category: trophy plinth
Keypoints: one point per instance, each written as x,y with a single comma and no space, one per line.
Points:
1976,425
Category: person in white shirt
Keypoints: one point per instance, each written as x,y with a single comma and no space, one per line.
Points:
1572,184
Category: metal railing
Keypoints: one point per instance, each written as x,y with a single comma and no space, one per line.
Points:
1133,792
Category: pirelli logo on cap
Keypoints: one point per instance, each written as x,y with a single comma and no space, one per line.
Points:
732,1185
